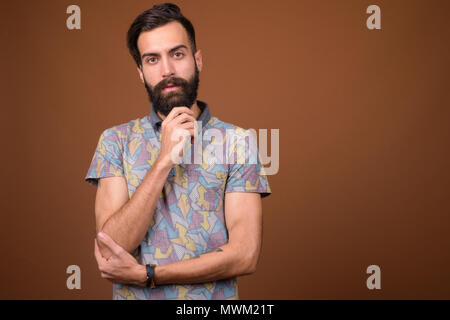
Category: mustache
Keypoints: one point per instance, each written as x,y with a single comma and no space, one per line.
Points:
171,81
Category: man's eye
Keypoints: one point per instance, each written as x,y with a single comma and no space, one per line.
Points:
178,54
151,60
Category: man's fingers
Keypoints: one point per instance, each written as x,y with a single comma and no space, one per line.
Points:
187,125
109,277
191,128
105,275
109,243
189,132
183,118
97,253
178,110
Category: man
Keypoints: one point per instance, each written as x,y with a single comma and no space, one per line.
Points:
169,229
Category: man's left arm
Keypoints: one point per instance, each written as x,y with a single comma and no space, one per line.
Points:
243,216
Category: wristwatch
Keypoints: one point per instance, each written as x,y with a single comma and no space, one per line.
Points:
150,282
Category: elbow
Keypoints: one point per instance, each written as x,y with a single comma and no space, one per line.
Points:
104,251
251,269
107,253
127,246
245,259
249,264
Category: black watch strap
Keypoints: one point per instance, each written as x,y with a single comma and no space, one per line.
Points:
150,275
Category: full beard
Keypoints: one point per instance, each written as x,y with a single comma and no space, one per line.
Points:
186,95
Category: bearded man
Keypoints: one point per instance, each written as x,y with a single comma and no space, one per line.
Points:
168,229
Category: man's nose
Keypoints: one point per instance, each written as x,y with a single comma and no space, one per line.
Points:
168,68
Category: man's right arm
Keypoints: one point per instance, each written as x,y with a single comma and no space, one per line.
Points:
125,220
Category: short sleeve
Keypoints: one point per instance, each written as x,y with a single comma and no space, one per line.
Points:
248,175
108,159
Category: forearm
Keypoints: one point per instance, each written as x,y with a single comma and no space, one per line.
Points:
222,263
129,225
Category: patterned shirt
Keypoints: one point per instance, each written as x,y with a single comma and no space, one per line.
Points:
189,215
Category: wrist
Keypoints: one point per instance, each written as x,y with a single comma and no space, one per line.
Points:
163,165
141,275
151,275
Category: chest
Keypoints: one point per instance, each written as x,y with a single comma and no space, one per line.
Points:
197,186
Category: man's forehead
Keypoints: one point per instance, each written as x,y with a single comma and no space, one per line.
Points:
163,38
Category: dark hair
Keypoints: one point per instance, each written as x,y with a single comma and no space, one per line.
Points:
157,16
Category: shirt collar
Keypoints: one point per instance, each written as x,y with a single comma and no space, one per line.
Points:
204,117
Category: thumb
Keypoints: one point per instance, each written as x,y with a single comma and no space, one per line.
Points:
107,241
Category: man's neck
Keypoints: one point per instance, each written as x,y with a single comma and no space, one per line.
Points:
195,108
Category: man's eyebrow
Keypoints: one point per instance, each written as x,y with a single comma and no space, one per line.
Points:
147,54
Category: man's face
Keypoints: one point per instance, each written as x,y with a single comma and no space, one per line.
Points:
172,92
169,71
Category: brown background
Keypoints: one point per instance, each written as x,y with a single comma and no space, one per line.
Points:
364,138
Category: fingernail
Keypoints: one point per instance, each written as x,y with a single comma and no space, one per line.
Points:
101,235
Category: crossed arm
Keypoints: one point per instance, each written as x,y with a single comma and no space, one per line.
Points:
125,222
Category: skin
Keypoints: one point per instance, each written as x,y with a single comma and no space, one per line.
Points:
167,63
122,222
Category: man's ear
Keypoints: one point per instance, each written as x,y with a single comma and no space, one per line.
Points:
141,75
199,59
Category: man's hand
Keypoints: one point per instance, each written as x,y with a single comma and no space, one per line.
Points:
121,267
243,213
177,127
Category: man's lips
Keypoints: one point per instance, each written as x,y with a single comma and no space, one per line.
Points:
170,88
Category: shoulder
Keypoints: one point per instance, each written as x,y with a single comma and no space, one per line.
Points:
236,140
118,137
228,129
124,130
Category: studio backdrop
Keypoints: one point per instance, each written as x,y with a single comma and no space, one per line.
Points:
355,93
